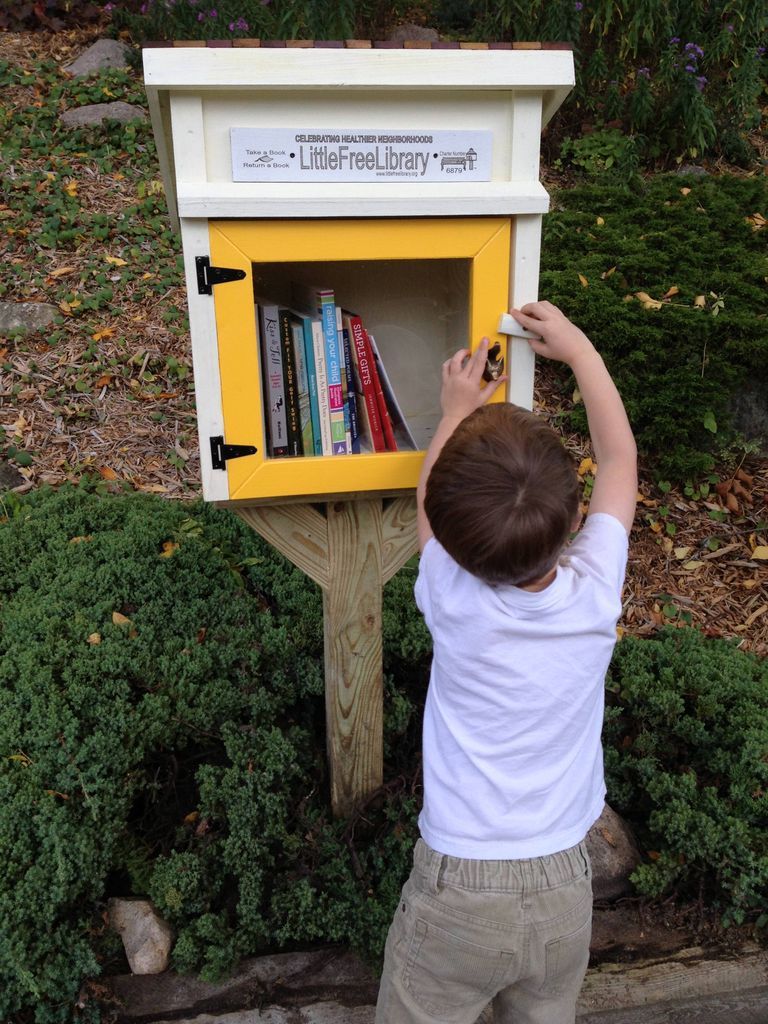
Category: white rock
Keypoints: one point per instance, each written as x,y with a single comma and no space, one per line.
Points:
146,936
105,53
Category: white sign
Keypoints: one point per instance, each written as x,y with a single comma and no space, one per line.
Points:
345,154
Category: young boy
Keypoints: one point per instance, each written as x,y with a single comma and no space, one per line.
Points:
499,903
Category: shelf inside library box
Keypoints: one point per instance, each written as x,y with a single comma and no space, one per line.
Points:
415,312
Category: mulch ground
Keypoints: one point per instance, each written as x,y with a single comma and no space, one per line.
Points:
695,558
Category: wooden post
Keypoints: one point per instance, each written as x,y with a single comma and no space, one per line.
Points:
350,551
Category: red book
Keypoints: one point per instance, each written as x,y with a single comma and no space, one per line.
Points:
368,379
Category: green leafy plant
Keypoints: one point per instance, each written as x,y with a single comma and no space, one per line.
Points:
600,151
686,77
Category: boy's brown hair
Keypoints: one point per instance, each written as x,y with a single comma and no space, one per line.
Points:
503,495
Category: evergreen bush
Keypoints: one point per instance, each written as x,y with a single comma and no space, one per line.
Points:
668,279
687,761
162,734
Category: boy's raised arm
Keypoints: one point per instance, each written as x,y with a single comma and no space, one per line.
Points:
615,490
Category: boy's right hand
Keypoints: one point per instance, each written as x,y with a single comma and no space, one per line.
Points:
558,337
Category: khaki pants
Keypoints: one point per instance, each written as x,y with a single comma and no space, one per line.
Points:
470,931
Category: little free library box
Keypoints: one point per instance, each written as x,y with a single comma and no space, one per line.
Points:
351,214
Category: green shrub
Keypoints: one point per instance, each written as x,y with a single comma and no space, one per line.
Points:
677,366
686,738
162,733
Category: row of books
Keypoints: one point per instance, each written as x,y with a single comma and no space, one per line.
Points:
326,391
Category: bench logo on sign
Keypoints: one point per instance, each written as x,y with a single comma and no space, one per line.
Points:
456,163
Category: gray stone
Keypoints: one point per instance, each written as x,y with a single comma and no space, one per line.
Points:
31,316
146,936
614,855
10,477
693,170
749,406
97,113
105,53
418,32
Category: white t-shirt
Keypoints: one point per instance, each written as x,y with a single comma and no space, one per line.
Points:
513,764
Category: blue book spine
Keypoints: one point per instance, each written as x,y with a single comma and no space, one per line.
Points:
314,407
333,369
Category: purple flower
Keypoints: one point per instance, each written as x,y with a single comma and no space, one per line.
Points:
691,67
674,40
213,14
144,8
201,16
693,48
644,72
760,51
700,83
108,8
241,25
729,28
578,5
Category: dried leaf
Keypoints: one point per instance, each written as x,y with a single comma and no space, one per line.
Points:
94,638
120,620
116,261
599,222
61,271
685,191
576,397
732,503
584,281
71,188
169,547
587,466
760,552
107,473
647,301
107,332
608,836
674,290
700,301
681,553
693,565
608,273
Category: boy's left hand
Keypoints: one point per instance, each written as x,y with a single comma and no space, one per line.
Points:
461,393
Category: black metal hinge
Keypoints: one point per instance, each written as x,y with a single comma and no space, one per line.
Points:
208,276
221,453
